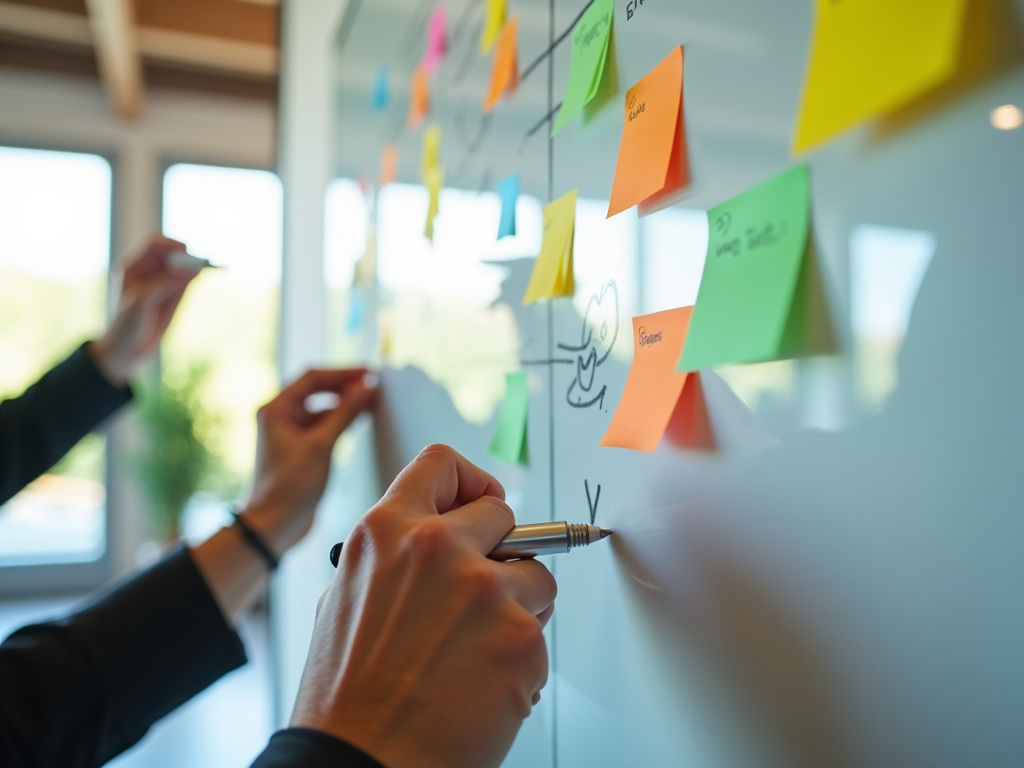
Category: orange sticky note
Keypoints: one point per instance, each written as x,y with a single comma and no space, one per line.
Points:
388,164
653,169
654,387
419,102
505,71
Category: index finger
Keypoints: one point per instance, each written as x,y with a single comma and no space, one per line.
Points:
445,479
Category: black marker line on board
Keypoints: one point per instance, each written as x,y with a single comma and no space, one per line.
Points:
597,498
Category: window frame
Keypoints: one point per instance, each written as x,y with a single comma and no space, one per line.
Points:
75,577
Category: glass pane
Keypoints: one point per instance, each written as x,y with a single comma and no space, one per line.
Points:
54,259
221,346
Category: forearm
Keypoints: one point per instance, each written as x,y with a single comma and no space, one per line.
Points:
44,423
78,691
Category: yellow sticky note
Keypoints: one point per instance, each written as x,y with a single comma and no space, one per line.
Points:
434,180
553,271
431,149
492,27
870,56
505,72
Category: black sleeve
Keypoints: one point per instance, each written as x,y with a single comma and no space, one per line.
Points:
39,427
76,692
303,748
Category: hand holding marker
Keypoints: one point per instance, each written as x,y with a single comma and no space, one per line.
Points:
534,540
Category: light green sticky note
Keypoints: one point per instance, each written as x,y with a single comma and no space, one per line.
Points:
509,441
587,68
761,296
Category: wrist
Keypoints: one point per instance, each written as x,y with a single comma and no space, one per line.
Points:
271,525
111,369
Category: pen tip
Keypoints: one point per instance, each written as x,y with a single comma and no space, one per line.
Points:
605,532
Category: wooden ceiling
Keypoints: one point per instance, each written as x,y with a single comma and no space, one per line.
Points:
219,46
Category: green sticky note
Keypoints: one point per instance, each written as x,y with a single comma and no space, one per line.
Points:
587,69
509,441
761,297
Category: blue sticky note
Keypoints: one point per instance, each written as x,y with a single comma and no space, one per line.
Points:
508,190
380,89
355,313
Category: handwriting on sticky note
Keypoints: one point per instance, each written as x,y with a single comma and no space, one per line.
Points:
653,168
868,58
553,270
509,443
508,192
760,297
590,43
492,25
653,387
505,71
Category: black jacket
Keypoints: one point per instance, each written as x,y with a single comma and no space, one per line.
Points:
76,692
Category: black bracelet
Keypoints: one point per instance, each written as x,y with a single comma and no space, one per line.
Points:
255,541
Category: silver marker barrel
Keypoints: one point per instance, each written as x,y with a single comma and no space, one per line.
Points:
532,541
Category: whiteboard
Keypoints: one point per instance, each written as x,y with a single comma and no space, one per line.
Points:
838,583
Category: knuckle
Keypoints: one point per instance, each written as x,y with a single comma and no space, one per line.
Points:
483,584
429,542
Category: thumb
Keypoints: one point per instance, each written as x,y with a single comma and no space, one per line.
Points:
355,398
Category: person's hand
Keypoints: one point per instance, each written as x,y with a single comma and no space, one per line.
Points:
148,294
425,653
293,452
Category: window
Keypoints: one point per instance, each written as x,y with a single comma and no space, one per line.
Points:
54,262
225,332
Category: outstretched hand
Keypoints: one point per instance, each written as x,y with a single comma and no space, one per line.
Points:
293,452
148,293
425,653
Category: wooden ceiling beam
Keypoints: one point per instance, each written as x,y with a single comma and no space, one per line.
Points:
117,54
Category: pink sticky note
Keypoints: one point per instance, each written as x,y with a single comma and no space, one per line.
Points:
437,41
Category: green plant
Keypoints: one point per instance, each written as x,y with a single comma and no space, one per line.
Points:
175,462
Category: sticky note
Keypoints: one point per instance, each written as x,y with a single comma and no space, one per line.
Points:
653,168
419,100
492,25
591,38
553,270
869,57
434,180
653,387
431,149
437,39
380,89
388,164
761,296
505,70
508,191
509,441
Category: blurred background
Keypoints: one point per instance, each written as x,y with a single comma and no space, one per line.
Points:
119,118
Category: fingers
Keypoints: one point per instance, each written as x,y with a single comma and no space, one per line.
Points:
151,259
355,399
482,523
313,381
530,584
545,616
443,478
